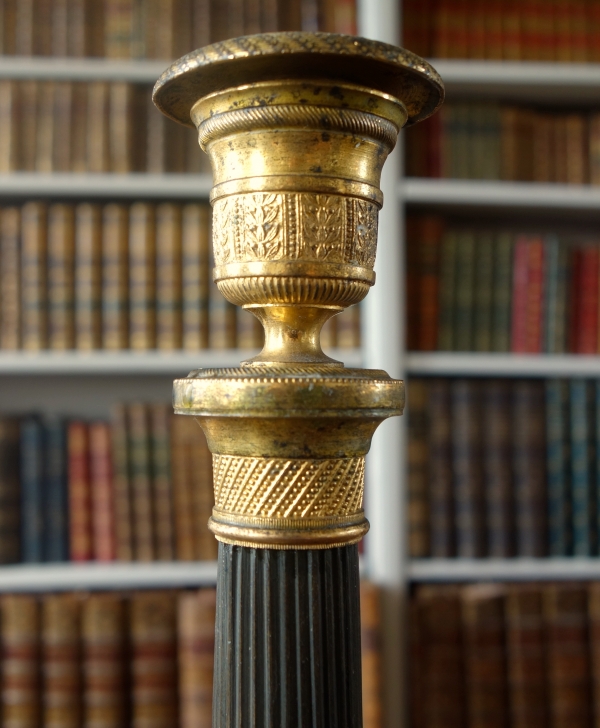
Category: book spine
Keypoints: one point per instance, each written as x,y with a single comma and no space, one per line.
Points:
98,128
467,470
10,490
32,475
348,330
195,276
21,705
45,131
121,132
576,140
142,506
535,296
118,34
594,144
439,471
497,471
142,277
63,127
78,139
80,517
518,344
61,277
582,495
56,541
587,324
104,660
482,319
196,644
418,457
526,658
201,471
10,278
370,638
501,292
61,660
529,468
33,276
485,662
88,276
465,285
551,254
9,126
121,483
115,277
558,467
160,425
448,274
154,659
102,492
567,655
594,641
184,436
169,277
430,233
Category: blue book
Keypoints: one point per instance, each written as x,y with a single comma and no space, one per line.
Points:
56,536
582,490
558,467
32,481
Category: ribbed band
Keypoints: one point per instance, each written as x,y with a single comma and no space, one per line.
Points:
287,639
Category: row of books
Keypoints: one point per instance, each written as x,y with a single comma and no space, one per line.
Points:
499,142
129,658
503,468
472,289
515,30
505,656
62,126
150,29
138,488
122,276
117,659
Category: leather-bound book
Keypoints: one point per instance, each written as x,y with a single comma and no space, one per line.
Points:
10,490
122,483
88,276
98,128
558,467
370,639
168,276
32,465
102,492
142,277
184,431
80,516
33,276
439,470
10,278
418,461
9,127
162,492
115,277
142,505
61,276
195,276
201,472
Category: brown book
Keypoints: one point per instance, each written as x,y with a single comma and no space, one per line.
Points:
370,639
59,31
168,276
121,483
102,493
98,127
568,655
153,630
142,505
281,15
42,27
184,435
252,22
61,277
142,277
9,127
201,472
95,39
62,127
28,98
348,328
20,632
104,661
436,619
196,637
497,471
33,276
594,639
195,275
10,491
485,660
328,332
543,156
439,469
162,494
577,136
559,142
201,23
594,147
88,276
61,661
249,330
122,127
10,278
526,658
418,457
80,516
119,28
8,31
45,130
78,140
24,27
115,277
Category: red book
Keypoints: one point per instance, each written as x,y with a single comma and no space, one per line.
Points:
519,297
430,236
535,295
80,516
586,302
102,493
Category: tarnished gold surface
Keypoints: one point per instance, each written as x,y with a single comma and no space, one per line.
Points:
297,127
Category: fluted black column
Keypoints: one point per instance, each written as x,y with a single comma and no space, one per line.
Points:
287,639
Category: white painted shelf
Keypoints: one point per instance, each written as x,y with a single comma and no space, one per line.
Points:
565,83
81,69
518,569
471,194
63,577
110,363
473,364
107,186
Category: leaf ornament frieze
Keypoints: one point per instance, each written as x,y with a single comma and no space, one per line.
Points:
294,226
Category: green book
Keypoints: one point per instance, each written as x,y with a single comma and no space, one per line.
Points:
464,296
501,291
482,313
447,291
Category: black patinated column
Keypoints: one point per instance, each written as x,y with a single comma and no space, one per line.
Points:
297,127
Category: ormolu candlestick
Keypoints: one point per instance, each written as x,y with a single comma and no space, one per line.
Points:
297,127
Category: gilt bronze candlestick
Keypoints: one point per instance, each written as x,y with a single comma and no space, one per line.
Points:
297,127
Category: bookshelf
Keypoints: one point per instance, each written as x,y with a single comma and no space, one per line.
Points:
501,365
513,570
